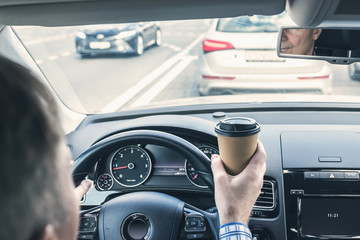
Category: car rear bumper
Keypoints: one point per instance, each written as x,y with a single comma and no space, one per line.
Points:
119,46
265,84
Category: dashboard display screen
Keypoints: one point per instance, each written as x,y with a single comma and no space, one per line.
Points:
329,216
168,162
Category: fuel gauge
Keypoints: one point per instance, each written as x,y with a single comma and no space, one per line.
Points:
105,182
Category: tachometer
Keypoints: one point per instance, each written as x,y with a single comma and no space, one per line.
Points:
191,173
131,166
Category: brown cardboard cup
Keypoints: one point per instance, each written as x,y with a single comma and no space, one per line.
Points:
237,138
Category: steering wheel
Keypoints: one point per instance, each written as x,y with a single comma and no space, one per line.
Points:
147,215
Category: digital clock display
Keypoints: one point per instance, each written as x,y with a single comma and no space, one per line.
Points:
336,216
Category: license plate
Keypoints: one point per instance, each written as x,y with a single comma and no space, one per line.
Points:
262,56
99,45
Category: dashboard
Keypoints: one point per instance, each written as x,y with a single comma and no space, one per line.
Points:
311,185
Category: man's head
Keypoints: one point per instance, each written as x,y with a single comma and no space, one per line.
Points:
299,41
36,193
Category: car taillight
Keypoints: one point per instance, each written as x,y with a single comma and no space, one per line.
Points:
212,45
217,77
313,77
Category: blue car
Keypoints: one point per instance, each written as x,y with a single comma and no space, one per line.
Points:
130,38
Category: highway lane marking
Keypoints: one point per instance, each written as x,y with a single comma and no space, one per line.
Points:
47,39
64,54
131,93
136,89
191,45
54,57
171,46
148,96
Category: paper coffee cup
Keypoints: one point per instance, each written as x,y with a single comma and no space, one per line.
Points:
237,139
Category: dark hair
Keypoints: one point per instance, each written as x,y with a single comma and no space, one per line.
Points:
30,173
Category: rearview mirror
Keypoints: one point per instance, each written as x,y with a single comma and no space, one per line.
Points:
337,46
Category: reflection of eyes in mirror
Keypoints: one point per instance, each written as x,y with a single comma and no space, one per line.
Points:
329,42
299,41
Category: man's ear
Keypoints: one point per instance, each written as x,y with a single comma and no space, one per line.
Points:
49,233
316,33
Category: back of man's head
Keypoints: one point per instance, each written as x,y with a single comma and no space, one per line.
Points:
31,173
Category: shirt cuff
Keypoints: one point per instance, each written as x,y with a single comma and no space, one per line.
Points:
235,231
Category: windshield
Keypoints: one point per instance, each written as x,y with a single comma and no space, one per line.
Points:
111,67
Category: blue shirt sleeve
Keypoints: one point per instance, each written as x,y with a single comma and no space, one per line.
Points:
235,231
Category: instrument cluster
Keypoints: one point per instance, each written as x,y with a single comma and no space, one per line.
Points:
133,165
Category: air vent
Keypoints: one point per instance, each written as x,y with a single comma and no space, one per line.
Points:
266,200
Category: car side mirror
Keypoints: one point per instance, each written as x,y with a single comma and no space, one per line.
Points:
335,45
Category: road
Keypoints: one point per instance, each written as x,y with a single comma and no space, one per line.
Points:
108,83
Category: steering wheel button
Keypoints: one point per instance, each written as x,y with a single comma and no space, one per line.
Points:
87,229
194,236
85,236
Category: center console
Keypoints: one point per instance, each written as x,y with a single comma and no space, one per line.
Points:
322,204
321,185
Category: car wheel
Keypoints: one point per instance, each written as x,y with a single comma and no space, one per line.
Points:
158,38
139,45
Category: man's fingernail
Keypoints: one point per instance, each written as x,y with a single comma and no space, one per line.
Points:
214,156
86,184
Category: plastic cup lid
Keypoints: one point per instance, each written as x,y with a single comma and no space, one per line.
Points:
237,127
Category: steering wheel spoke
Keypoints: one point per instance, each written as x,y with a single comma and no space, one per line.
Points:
199,224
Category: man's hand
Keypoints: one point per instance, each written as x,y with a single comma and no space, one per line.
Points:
82,189
235,196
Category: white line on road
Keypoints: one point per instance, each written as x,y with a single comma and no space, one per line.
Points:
64,54
166,80
53,57
47,39
147,80
130,93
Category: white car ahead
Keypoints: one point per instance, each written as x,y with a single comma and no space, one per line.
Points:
239,55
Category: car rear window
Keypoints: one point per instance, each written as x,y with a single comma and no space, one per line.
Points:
250,24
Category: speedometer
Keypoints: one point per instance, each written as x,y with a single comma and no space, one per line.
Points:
131,166
192,174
